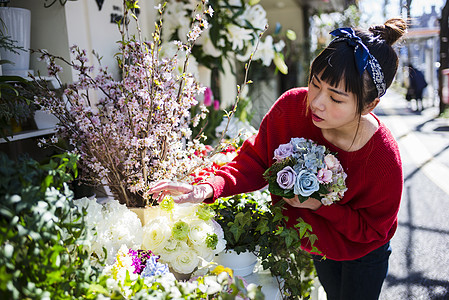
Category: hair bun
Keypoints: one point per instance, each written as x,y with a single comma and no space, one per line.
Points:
391,31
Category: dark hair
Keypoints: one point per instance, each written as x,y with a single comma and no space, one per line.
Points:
337,61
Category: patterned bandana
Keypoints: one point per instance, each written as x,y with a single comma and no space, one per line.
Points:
363,59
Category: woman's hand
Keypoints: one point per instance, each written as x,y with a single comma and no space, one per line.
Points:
310,203
181,192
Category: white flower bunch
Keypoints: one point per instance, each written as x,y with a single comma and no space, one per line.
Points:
234,29
183,234
110,225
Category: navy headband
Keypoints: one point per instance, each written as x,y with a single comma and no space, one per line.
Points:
363,59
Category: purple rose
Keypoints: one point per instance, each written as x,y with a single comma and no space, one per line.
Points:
283,151
286,178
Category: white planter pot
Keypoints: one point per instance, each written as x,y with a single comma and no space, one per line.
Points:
44,120
18,27
242,264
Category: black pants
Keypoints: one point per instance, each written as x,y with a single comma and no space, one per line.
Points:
359,279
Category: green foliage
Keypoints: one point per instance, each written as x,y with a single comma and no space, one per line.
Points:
42,234
255,225
15,103
270,177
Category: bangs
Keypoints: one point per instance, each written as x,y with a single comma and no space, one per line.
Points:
336,68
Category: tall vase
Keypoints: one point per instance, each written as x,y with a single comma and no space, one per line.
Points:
18,27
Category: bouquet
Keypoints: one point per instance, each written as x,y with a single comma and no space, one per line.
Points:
183,235
305,169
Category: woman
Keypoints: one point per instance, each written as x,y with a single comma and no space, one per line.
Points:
346,81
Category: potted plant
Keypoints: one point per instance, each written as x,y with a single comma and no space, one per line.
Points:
16,26
251,223
16,106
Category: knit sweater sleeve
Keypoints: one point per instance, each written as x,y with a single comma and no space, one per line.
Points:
245,172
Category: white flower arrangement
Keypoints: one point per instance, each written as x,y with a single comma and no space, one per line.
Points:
110,225
235,27
182,235
140,275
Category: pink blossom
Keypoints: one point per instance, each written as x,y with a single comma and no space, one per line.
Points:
324,176
208,96
331,162
216,104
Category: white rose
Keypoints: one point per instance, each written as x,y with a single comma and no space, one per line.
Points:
185,262
199,230
170,249
155,234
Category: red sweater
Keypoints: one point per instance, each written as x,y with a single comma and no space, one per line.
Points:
365,219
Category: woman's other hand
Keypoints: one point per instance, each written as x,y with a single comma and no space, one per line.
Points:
181,192
310,203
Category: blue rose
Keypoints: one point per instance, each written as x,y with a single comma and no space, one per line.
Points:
306,184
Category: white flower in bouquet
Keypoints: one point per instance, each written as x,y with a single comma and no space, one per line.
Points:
184,236
156,234
185,261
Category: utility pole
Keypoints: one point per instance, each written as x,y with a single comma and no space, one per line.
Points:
444,50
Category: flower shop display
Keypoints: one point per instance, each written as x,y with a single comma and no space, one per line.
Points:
110,225
183,236
305,169
139,275
45,244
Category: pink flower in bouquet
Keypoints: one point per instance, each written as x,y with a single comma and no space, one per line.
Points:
324,176
331,162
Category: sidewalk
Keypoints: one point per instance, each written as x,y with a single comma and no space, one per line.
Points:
418,264
422,137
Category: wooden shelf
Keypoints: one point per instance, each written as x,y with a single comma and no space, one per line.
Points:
29,134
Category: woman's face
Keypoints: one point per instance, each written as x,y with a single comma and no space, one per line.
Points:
331,106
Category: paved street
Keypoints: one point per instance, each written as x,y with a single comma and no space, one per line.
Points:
419,264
